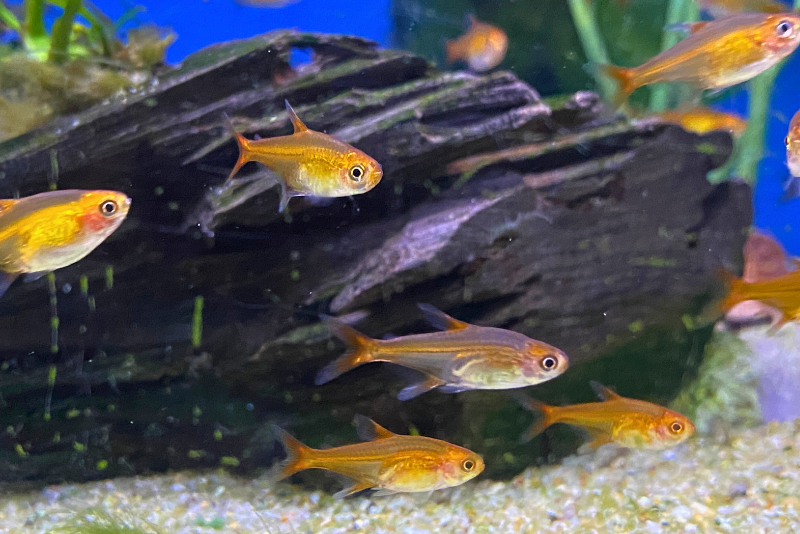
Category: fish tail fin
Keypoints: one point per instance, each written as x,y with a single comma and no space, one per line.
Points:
545,416
244,147
359,353
624,77
452,49
298,456
733,288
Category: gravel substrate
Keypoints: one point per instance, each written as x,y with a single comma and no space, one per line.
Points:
749,484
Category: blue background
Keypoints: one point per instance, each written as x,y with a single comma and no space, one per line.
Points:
202,22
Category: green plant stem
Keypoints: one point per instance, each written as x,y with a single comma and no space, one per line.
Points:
34,19
752,141
592,42
8,18
62,30
677,11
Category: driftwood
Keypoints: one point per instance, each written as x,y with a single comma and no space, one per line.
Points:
196,323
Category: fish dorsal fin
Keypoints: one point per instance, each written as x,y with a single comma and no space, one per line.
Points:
796,262
441,320
472,20
603,392
6,203
369,430
296,122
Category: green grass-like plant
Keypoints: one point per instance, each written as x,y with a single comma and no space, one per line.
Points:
99,521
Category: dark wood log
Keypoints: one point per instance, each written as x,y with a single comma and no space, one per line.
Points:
196,323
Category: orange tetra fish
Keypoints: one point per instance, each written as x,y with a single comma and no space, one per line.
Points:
48,231
702,120
717,54
793,146
781,293
627,422
482,47
387,462
461,357
309,162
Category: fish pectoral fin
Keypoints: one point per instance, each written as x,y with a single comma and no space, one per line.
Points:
369,430
603,392
441,320
32,277
6,279
429,383
355,488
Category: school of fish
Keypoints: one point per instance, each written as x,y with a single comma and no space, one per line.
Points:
52,230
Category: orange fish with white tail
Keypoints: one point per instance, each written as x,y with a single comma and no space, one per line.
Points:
48,231
482,47
309,163
459,358
717,54
627,422
387,462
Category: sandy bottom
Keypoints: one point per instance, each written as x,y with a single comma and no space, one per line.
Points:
750,484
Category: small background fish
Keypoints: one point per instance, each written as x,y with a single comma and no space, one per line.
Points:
482,47
309,162
627,422
702,120
387,462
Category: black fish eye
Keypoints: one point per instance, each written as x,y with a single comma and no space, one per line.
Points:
468,465
676,427
787,141
549,363
783,28
357,173
108,208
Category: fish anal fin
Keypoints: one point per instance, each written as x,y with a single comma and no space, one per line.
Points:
383,492
357,486
31,277
452,388
414,390
441,320
603,392
777,325
6,279
369,430
296,122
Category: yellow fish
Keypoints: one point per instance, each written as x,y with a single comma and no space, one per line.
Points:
461,357
482,47
388,462
702,120
310,163
717,54
627,422
48,231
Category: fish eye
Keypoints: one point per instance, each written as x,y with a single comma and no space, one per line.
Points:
676,427
357,173
787,142
549,363
108,208
468,465
783,29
